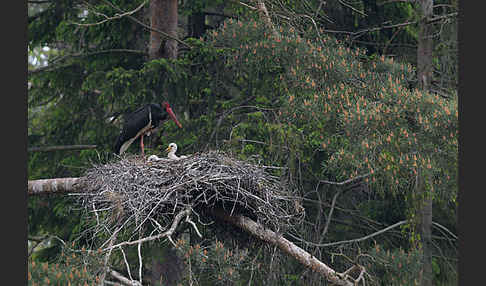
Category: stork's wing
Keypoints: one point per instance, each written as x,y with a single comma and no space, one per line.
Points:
135,124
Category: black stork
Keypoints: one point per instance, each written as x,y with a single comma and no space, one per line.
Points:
143,121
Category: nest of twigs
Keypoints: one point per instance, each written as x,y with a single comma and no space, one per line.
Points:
136,192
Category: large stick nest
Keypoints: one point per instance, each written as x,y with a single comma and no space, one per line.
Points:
136,192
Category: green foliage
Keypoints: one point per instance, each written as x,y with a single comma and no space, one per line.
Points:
70,268
395,266
215,264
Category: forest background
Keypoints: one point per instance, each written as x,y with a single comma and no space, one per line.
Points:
356,100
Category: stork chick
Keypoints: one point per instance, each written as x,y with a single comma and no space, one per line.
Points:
172,149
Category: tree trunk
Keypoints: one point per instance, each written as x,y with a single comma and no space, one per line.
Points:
163,17
156,12
424,74
197,24
425,229
425,45
426,239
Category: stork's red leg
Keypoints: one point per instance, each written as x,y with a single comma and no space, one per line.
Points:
141,145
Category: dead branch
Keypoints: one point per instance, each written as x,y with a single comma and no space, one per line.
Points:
123,279
345,182
51,186
288,247
116,16
167,234
362,238
262,10
60,148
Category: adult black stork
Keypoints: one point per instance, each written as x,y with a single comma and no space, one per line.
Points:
143,121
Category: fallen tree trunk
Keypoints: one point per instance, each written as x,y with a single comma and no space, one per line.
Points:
52,186
288,247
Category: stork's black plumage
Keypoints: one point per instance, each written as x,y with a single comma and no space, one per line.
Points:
143,121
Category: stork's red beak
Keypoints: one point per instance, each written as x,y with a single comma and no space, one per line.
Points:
172,115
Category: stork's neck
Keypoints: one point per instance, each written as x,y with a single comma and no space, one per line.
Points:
172,154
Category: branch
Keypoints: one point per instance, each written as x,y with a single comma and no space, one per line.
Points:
362,238
429,21
117,16
263,12
393,1
123,279
352,8
445,229
148,27
107,257
246,5
298,253
51,65
60,148
345,182
333,204
51,186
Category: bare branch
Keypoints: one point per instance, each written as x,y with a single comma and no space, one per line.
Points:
188,220
285,245
126,263
50,186
352,8
117,16
262,10
168,233
246,5
345,182
362,238
140,264
53,65
329,216
445,229
123,279
393,1
60,148
107,257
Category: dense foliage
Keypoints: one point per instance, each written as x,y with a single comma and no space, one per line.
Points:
303,100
